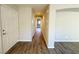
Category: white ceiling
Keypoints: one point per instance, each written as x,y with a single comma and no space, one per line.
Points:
36,7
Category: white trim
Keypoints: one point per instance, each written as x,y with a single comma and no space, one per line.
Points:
66,41
51,47
25,40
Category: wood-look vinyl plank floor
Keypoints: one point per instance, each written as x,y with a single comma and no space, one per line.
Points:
38,46
60,48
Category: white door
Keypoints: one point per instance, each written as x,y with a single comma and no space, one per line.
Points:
0,42
0,32
9,27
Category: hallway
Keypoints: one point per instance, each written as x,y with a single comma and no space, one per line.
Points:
60,34
37,45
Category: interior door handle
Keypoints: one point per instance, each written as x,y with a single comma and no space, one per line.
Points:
4,33
3,30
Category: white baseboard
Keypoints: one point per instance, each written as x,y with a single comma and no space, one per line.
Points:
51,47
25,40
66,41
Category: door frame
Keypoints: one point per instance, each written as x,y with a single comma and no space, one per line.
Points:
1,31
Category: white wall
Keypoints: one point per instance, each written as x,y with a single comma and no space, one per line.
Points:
44,27
65,6
9,18
33,25
51,26
67,26
25,23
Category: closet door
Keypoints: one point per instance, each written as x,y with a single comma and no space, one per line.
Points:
0,42
9,27
0,33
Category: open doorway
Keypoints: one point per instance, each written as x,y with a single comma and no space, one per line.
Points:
38,28
38,23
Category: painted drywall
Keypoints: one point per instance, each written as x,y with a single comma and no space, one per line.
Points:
9,18
65,6
25,23
44,27
33,29
51,26
67,26
33,24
